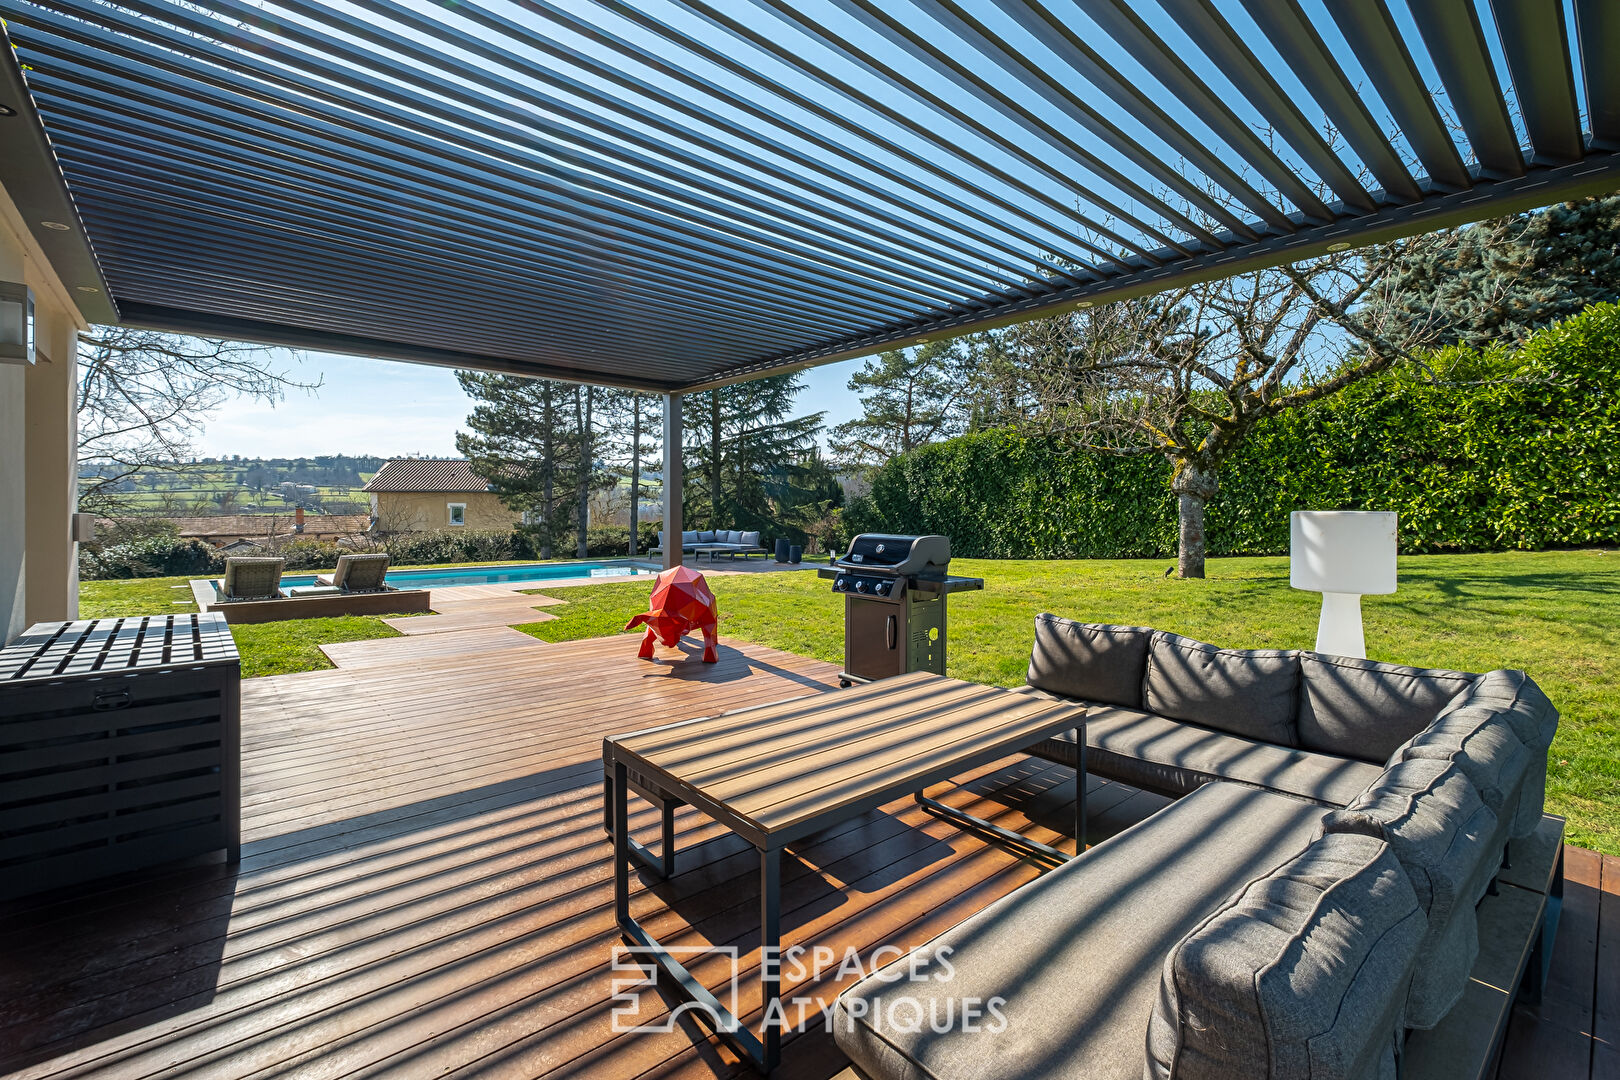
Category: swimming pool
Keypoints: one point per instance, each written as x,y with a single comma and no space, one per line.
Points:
491,575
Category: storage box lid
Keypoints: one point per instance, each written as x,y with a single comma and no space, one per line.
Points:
105,646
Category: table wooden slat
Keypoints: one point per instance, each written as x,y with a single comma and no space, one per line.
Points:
776,767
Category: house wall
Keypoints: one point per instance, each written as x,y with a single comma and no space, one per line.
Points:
424,511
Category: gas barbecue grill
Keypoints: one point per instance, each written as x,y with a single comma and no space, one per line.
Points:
894,591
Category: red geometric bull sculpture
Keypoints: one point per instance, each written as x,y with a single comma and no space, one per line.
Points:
681,603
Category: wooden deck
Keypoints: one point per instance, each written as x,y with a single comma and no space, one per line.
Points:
425,889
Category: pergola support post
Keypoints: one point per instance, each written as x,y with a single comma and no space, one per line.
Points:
672,481
52,459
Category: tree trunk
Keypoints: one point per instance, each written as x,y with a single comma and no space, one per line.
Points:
582,418
714,460
1194,486
635,470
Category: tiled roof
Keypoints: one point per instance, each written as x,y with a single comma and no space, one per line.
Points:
256,525
428,474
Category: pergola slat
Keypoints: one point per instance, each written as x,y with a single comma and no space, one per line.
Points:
1456,42
1535,42
1308,56
677,197
1370,30
1245,71
1597,29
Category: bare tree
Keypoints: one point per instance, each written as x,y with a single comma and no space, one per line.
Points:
1191,373
144,395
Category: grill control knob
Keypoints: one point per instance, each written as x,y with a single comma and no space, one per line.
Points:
883,588
841,584
860,586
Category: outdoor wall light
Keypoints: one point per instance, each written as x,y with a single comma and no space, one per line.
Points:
1344,555
16,323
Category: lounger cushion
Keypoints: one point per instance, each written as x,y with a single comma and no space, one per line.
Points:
1302,974
1090,661
1175,758
1076,954
1251,692
749,540
361,573
249,577
1440,832
1363,709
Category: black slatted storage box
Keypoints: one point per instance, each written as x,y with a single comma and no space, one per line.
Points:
120,748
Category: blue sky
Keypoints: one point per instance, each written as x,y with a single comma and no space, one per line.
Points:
392,409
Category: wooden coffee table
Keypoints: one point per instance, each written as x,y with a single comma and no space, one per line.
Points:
777,773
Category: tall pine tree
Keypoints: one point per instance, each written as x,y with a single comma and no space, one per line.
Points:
744,450
909,397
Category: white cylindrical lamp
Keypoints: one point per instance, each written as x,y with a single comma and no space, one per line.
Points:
1344,555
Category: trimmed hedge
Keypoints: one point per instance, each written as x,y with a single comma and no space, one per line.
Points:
1496,451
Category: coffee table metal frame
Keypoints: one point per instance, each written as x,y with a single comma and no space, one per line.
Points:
629,771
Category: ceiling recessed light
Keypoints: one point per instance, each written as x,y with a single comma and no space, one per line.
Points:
1086,304
88,288
57,225
1340,246
7,110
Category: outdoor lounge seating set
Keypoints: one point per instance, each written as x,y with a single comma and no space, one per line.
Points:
717,542
1310,900
250,591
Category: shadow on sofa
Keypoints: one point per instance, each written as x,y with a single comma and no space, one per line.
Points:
1306,908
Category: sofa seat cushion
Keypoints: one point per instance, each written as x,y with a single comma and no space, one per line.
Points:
1175,758
1092,661
1248,692
1363,709
1302,974
1075,954
1440,831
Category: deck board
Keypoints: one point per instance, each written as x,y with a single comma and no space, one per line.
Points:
426,890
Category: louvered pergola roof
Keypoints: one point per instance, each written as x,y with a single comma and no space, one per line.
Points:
671,195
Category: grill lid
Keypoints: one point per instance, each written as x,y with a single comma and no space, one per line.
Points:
928,556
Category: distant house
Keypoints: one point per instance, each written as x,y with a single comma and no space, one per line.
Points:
433,494
240,531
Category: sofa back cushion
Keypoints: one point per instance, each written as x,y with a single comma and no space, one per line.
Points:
690,536
1302,973
1249,692
1484,749
1440,832
748,539
1091,661
1519,701
1362,709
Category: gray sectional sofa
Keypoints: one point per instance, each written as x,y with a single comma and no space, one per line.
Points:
728,542
1307,902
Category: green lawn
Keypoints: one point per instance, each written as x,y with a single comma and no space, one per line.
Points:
1554,614
276,648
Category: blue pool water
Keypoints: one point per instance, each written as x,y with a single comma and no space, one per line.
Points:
488,575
